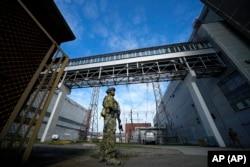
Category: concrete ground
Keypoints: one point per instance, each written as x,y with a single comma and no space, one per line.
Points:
86,155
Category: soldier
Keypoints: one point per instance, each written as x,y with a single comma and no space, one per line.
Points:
110,112
234,137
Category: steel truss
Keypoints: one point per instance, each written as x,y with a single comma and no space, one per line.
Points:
93,128
145,71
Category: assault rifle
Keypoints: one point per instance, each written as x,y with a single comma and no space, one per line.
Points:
120,128
120,125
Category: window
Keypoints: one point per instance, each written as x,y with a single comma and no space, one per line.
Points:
137,54
237,91
162,51
152,52
168,50
235,82
157,51
240,106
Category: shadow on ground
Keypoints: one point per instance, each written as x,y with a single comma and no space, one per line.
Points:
86,155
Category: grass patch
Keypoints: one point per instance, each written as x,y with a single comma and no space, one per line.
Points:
129,146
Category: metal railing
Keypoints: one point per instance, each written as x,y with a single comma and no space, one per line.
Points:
166,49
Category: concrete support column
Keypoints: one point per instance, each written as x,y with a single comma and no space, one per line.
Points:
206,118
53,119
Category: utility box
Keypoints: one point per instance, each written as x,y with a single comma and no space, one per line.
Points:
55,137
149,135
150,138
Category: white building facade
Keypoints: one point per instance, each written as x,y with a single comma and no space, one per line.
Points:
65,118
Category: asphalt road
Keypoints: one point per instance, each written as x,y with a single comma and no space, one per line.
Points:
86,155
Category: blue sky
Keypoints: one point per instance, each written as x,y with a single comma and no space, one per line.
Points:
106,26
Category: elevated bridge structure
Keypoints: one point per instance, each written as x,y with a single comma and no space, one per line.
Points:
153,64
183,61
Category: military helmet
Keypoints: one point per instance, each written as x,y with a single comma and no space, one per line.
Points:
110,89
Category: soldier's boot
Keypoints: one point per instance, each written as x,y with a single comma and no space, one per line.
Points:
102,159
113,161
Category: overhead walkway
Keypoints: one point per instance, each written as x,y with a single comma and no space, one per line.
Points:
183,61
153,64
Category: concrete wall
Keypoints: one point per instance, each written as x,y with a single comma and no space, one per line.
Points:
72,118
226,96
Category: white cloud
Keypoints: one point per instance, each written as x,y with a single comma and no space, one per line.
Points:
115,33
90,10
138,16
72,18
139,98
82,96
101,29
120,43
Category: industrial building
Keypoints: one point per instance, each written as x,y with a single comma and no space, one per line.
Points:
225,24
67,123
158,135
70,123
130,129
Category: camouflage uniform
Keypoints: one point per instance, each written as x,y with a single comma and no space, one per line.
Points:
110,112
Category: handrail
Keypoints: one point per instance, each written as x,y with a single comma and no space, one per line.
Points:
181,47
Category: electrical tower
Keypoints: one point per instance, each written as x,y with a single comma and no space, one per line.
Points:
160,103
94,111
